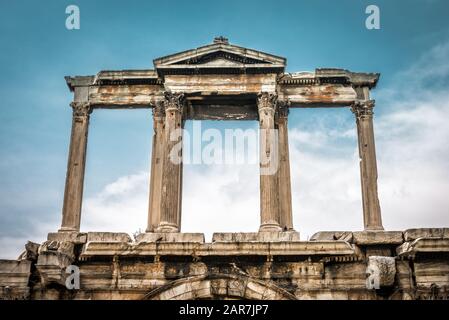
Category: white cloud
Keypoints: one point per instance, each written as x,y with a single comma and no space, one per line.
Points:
12,247
120,207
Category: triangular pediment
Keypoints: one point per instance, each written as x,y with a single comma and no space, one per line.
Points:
218,57
221,55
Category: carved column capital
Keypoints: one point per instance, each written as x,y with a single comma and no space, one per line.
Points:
174,101
283,108
159,110
81,109
363,108
267,101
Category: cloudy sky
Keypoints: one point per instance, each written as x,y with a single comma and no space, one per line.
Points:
411,50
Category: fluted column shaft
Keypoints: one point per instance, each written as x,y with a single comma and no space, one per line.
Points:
73,193
157,158
363,111
172,166
269,163
284,181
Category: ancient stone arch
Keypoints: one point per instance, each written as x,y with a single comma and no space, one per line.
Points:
219,286
222,81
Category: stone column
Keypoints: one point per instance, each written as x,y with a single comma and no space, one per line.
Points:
363,110
73,194
285,195
172,167
157,158
269,163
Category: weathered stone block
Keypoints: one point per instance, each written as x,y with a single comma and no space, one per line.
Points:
31,251
423,245
377,237
332,235
256,236
381,272
14,278
413,234
108,237
54,258
75,237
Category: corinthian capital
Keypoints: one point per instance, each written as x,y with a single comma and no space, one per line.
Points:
159,110
363,108
81,109
283,108
174,101
267,101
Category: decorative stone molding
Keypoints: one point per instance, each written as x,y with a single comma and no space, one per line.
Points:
81,109
283,108
221,39
256,237
15,279
381,272
54,258
159,110
31,251
267,101
174,101
363,108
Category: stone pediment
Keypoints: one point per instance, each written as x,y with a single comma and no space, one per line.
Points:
219,56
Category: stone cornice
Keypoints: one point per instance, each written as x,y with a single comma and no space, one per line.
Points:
153,77
331,76
287,248
79,81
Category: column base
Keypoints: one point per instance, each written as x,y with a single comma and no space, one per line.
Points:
270,227
374,228
167,227
68,229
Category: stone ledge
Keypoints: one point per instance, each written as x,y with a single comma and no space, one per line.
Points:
361,237
256,236
75,237
423,245
170,237
83,237
287,248
108,237
332,235
413,234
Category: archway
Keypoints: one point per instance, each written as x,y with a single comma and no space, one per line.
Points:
219,286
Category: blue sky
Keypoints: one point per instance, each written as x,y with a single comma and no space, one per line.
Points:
38,51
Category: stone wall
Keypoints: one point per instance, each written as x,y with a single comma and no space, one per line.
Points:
333,265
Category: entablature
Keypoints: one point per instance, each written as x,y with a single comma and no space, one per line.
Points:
221,74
